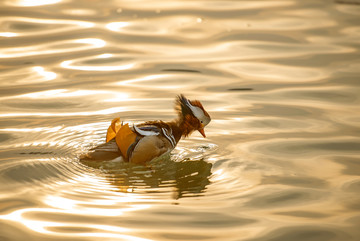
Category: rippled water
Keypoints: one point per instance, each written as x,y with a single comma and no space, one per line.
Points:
279,78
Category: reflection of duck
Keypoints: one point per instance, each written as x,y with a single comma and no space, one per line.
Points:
185,178
143,142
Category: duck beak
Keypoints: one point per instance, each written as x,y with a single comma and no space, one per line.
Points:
202,132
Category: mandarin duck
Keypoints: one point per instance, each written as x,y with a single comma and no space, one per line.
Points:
143,142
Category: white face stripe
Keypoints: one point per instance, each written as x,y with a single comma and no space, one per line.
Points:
198,113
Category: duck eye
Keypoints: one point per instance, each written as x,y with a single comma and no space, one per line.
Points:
201,122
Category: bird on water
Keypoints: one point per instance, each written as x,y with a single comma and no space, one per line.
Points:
141,143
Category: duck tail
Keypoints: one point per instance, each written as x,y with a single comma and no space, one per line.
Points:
113,129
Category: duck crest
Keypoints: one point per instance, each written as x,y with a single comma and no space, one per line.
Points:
191,115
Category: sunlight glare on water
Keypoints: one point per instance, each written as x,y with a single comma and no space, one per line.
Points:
280,80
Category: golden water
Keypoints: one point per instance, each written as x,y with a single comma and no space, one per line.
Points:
279,78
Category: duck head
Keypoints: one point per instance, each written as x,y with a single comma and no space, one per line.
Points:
192,115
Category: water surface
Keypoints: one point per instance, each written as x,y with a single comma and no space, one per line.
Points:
280,80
